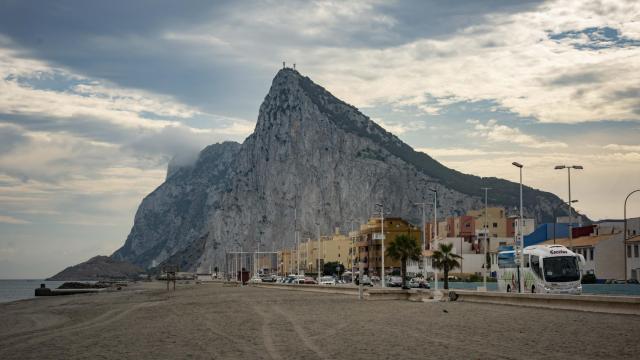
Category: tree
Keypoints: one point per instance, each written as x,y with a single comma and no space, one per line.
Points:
445,260
333,268
404,248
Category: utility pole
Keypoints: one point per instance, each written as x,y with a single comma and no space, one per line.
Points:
296,239
520,224
382,241
318,254
569,167
435,235
486,242
424,238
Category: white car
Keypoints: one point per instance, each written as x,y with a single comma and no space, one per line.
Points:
327,280
255,279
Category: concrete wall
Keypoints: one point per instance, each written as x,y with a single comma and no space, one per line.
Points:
633,260
472,263
609,258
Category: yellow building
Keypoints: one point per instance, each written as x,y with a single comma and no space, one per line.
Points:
337,248
496,221
286,262
309,255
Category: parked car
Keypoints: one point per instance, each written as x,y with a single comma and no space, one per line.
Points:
394,281
419,283
365,281
309,280
327,280
255,279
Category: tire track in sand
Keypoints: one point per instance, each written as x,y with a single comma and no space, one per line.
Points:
34,337
301,333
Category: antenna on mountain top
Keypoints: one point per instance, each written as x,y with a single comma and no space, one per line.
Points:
294,66
284,66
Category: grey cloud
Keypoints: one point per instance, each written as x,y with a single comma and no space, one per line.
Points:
629,93
87,127
579,78
10,137
177,142
126,43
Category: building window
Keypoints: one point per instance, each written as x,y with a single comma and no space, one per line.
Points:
635,250
495,225
628,251
591,254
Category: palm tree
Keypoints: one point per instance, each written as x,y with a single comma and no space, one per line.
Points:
404,248
445,260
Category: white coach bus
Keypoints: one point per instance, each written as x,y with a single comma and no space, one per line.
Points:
548,269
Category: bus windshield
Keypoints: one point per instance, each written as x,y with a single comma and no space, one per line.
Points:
561,269
506,259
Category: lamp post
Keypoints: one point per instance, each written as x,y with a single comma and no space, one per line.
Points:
297,239
624,236
555,219
353,253
382,241
486,243
520,223
318,256
569,167
435,235
424,238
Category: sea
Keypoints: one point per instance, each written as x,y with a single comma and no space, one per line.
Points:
12,290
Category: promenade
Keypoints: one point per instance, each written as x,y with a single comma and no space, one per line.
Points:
211,321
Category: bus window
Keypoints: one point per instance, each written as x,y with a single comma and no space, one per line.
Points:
535,265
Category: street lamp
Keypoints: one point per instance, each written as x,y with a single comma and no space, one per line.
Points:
353,252
520,283
569,167
555,219
424,238
318,254
624,237
435,235
486,242
382,240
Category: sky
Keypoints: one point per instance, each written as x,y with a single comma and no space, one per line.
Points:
97,97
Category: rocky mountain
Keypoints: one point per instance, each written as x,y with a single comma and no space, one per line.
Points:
98,268
312,158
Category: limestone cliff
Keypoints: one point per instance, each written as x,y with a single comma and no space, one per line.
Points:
310,153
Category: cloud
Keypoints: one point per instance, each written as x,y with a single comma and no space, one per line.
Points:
398,127
495,132
618,147
522,71
459,152
10,137
11,220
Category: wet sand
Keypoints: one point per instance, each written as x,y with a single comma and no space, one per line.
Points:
209,321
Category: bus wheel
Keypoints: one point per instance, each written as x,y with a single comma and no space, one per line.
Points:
508,288
533,289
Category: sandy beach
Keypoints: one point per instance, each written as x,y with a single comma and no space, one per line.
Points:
210,321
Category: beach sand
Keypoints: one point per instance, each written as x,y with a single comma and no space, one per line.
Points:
211,321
